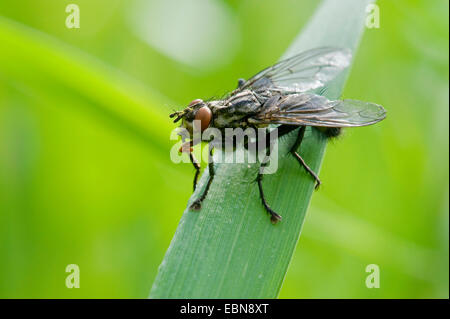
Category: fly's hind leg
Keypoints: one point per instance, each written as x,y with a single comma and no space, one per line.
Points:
274,217
197,204
293,151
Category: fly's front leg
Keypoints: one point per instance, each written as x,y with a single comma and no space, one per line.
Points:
293,151
197,205
196,166
187,148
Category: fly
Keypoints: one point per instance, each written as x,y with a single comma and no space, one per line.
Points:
282,94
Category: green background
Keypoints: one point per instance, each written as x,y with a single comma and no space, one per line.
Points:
85,173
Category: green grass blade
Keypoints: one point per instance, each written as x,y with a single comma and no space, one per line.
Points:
230,249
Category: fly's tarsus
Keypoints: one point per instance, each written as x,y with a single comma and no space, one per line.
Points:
308,169
293,151
274,217
197,205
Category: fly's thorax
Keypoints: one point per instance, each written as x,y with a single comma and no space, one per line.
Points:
235,110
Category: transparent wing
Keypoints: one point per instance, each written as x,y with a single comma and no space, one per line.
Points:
315,110
306,71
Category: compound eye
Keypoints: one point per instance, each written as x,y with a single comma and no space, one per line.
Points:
204,114
195,102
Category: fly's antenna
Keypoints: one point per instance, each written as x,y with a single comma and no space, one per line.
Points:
174,114
179,114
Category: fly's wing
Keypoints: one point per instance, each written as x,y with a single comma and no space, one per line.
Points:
314,110
306,71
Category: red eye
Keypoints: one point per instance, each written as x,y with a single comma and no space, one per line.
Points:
196,101
204,114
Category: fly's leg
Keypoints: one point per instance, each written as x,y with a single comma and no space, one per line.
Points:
197,205
274,217
308,169
196,166
187,148
293,151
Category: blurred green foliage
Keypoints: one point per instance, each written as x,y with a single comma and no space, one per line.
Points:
85,173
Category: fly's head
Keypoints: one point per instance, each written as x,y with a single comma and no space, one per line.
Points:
197,110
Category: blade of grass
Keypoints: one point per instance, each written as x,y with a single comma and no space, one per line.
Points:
229,249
